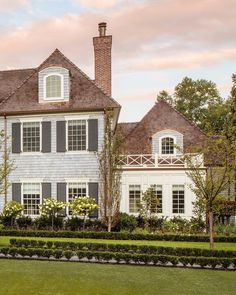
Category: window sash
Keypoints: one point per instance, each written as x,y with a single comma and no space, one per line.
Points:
76,190
167,146
134,198
76,135
31,198
178,197
31,136
158,192
53,86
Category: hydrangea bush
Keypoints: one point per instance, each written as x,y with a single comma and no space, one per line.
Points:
11,210
51,207
83,206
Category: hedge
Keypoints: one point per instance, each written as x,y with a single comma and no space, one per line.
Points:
115,236
141,249
118,257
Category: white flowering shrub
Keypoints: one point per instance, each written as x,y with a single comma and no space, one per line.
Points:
50,207
12,209
83,206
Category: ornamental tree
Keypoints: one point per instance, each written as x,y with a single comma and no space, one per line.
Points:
83,206
12,210
211,181
50,208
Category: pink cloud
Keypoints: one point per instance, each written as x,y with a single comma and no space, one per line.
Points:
6,5
150,34
99,4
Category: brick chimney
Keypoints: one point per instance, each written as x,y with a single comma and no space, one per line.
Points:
102,55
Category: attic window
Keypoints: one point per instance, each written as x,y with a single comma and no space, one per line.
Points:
53,86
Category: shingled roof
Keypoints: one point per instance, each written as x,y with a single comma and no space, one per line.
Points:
162,116
19,90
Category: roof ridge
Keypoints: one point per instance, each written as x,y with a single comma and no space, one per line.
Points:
81,72
20,85
128,122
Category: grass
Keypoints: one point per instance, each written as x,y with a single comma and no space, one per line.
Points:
62,278
4,241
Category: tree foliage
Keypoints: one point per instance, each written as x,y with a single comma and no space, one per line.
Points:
110,174
217,155
200,102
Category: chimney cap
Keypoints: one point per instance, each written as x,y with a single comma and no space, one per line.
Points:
102,29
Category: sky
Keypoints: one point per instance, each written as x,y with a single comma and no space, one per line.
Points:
156,43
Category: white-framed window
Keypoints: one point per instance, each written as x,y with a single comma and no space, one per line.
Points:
31,198
134,198
77,135
167,145
53,86
157,207
76,190
178,199
31,137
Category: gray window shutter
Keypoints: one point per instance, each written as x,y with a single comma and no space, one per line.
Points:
93,193
61,194
46,137
93,135
16,192
61,136
46,190
16,138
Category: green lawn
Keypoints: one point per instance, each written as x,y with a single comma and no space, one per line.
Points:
4,241
62,278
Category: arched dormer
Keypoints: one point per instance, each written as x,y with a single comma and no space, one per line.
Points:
53,84
165,142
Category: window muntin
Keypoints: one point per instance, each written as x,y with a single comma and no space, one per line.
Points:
76,190
53,85
31,200
167,146
31,137
178,198
134,198
77,135
157,208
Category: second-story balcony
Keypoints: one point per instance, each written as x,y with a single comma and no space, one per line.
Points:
157,161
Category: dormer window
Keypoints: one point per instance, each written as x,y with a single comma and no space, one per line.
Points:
53,86
167,146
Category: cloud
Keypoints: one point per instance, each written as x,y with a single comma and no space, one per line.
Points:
188,61
147,35
8,5
98,4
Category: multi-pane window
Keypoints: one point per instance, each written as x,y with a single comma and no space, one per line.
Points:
134,198
53,86
31,137
178,198
31,198
77,135
76,190
156,206
167,146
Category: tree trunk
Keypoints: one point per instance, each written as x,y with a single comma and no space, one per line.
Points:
52,222
211,230
109,224
84,222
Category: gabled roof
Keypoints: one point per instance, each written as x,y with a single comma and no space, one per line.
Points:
162,116
85,95
125,128
10,80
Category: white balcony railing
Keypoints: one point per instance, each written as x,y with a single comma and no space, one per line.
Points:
155,161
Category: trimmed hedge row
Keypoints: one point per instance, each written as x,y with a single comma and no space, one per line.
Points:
115,236
127,258
102,247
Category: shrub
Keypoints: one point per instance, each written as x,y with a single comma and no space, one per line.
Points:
156,224
126,222
24,222
73,223
11,210
44,222
68,254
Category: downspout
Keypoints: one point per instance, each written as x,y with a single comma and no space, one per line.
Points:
5,158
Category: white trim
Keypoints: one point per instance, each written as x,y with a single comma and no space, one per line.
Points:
160,144
45,90
77,117
33,180
86,148
58,114
29,120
